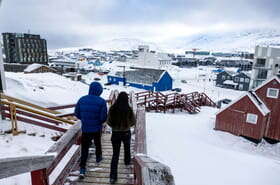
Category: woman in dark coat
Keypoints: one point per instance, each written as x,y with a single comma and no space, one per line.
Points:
120,119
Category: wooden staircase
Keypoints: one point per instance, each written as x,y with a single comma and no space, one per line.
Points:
159,102
98,174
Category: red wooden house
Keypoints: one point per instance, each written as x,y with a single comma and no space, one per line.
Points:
256,114
269,93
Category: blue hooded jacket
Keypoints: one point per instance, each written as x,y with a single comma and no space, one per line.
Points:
92,109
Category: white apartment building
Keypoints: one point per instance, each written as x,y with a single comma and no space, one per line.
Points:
147,58
266,64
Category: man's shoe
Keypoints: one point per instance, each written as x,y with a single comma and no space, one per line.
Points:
82,173
113,181
99,159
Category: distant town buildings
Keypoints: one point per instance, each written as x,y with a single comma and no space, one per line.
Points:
233,80
22,48
266,64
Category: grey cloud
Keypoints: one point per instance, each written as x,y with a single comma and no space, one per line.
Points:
67,23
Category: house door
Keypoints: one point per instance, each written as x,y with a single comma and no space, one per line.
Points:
240,86
238,118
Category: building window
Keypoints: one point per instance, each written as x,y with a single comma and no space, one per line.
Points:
260,62
241,79
236,79
272,93
223,77
252,118
262,74
247,80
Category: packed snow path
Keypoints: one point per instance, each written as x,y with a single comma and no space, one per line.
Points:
98,174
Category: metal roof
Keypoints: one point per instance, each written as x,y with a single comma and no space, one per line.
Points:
142,75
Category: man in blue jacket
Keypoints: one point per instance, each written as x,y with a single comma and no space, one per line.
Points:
92,111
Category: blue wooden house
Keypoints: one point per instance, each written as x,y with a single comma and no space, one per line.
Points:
143,78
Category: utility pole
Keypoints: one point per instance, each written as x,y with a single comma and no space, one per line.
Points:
2,73
194,50
2,78
124,77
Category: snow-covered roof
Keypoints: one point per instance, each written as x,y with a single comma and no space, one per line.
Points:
267,81
32,67
230,72
258,103
254,98
141,75
229,82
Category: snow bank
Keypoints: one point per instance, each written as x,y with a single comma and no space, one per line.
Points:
44,89
198,155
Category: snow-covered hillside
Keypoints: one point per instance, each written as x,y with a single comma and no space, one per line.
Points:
228,42
115,45
243,40
124,44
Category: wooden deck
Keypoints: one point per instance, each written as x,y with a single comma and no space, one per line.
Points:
98,174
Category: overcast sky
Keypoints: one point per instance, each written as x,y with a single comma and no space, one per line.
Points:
72,23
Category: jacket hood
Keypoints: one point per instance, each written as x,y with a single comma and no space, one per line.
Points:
95,89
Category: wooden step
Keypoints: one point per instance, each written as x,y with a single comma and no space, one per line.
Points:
105,160
105,180
107,175
107,165
107,170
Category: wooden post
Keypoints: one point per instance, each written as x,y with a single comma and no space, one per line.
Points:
39,177
174,101
13,119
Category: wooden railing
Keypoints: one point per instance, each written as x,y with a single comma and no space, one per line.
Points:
51,168
19,165
147,170
63,163
158,101
19,110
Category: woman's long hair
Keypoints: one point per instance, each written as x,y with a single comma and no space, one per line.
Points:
121,108
122,102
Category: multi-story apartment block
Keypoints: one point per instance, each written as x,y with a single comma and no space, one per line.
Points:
266,64
24,48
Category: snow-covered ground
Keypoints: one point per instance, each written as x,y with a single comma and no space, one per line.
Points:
187,143
199,155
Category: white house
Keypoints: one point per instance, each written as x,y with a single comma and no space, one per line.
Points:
150,59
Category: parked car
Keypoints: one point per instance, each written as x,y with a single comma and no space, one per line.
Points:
184,81
108,83
226,101
97,79
176,89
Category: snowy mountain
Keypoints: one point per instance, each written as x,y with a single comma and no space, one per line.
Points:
245,40
230,41
124,44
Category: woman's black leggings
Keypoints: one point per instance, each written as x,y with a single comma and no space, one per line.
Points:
117,138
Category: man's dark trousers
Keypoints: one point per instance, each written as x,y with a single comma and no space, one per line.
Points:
117,138
86,142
